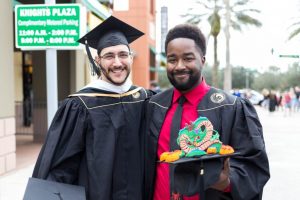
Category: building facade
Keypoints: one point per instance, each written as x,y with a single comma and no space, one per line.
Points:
141,14
7,111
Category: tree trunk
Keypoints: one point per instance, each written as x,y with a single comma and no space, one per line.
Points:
216,64
227,71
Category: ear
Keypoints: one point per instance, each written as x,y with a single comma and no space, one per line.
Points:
203,59
131,59
97,59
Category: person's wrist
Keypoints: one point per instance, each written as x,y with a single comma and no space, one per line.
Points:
223,186
228,187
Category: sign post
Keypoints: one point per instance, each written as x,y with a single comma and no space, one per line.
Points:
49,27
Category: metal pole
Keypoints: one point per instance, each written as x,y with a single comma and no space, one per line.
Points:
247,79
51,70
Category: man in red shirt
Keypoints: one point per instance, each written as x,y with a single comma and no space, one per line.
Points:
235,119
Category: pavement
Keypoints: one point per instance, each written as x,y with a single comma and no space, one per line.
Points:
281,133
12,184
282,138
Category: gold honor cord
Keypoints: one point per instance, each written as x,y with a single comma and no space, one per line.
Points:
106,95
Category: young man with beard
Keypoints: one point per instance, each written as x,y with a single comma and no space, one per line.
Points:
235,119
94,139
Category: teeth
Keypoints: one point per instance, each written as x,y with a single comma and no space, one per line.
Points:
117,70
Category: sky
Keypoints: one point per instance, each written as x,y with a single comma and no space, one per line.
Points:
252,47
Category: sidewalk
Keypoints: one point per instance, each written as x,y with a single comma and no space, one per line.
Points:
282,138
281,133
12,184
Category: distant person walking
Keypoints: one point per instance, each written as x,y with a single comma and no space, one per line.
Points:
287,102
272,101
297,99
237,93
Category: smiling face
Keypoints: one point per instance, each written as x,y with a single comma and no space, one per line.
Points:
184,64
116,62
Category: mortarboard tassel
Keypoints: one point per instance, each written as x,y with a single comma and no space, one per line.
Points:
94,68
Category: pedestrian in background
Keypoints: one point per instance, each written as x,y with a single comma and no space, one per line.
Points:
272,101
287,102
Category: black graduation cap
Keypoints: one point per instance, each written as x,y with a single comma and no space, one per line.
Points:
110,32
38,189
195,175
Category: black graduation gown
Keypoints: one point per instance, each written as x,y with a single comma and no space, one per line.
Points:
238,125
94,141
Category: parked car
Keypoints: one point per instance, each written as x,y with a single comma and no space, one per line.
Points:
254,97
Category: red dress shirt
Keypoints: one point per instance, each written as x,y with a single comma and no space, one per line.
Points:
189,113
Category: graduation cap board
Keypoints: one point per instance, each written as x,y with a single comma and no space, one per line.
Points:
195,175
204,157
38,189
110,32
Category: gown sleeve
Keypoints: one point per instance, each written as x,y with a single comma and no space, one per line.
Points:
249,172
62,151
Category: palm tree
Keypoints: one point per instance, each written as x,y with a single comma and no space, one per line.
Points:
214,19
296,30
234,16
240,16
215,24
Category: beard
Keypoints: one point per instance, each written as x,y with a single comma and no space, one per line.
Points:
108,77
193,80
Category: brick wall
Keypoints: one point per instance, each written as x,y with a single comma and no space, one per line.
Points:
7,145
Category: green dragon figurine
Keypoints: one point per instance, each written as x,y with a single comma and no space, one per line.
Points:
196,139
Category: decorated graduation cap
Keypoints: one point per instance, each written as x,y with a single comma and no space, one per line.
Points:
199,162
110,32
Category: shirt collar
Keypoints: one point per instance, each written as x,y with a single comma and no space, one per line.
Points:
103,85
195,95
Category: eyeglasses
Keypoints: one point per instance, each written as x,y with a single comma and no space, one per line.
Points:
111,56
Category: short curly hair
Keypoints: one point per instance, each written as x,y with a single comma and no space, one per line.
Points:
187,31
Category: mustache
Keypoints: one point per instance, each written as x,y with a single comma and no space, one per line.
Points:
180,72
117,67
